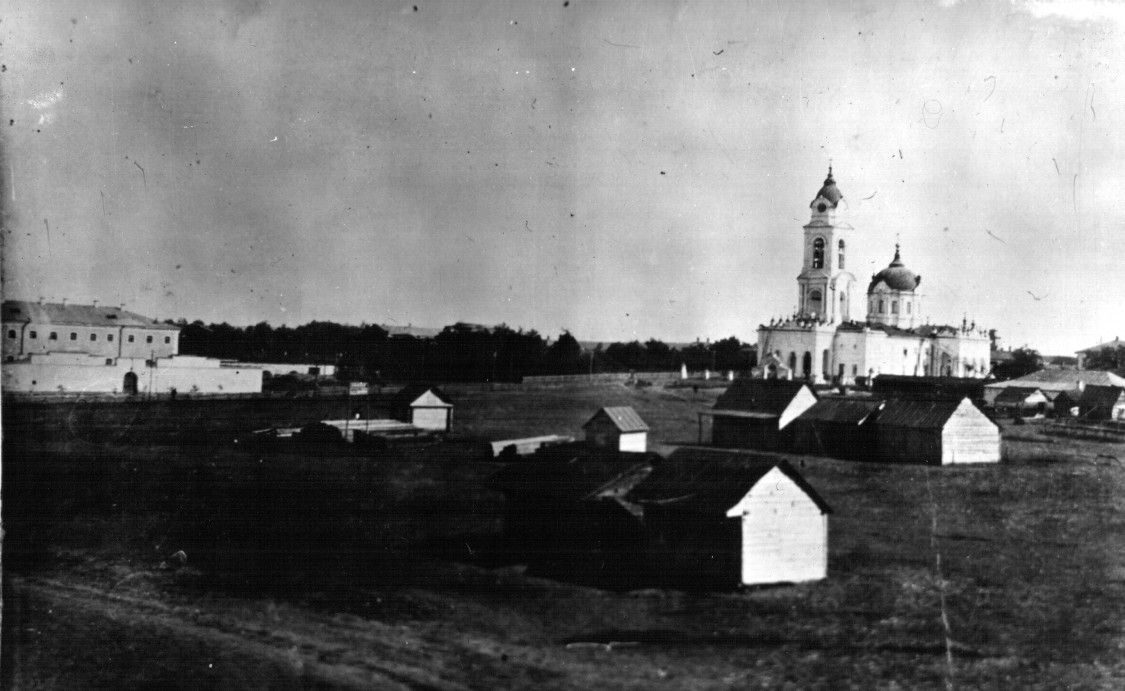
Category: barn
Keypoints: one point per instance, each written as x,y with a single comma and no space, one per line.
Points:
1102,403
565,513
617,429
935,432
1021,401
734,520
758,413
423,406
838,427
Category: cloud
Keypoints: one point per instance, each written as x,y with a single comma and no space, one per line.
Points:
1079,10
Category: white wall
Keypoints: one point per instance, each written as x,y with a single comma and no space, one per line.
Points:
62,373
634,441
969,437
784,533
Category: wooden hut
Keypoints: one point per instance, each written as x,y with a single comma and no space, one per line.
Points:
758,413
566,515
617,429
838,427
935,432
724,522
1065,403
1021,401
423,406
1102,403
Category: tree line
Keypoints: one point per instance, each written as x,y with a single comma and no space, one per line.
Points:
460,352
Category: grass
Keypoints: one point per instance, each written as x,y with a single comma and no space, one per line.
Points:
1032,558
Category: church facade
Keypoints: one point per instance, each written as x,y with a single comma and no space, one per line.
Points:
827,339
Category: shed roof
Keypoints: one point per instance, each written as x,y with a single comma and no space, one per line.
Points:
901,385
712,481
771,396
845,410
1014,394
622,417
78,315
571,473
412,392
917,413
1101,395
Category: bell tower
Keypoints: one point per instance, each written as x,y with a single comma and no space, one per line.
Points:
824,284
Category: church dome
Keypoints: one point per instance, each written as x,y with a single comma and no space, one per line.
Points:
896,276
829,191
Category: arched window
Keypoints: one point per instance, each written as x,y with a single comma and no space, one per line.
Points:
908,305
816,302
882,305
807,362
894,306
818,253
843,305
792,361
824,364
840,256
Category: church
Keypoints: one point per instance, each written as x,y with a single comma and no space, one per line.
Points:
828,341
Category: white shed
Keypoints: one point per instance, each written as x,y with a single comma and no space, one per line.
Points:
425,407
936,432
617,429
690,505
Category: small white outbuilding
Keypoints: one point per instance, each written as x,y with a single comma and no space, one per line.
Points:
617,429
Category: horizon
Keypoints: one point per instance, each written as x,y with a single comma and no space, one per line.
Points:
628,170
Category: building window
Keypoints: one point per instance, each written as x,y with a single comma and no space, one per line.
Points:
816,302
54,336
73,336
34,335
130,338
882,305
840,257
855,370
109,338
109,361
11,333
167,339
148,339
894,306
908,305
792,361
93,337
818,253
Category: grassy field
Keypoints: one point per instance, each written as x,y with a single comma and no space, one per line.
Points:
372,570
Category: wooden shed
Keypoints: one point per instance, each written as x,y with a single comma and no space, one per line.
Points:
758,413
732,521
1021,401
1065,403
617,429
1102,403
566,516
935,432
838,427
423,406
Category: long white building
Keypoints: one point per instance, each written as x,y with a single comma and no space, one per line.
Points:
827,341
61,348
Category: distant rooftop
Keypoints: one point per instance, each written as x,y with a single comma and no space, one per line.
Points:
77,315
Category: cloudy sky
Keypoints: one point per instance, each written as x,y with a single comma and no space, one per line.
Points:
620,169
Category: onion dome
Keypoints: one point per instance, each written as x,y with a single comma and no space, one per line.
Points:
896,276
828,191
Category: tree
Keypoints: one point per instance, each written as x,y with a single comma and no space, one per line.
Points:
1106,359
1024,361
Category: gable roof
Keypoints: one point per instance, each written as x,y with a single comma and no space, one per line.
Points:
624,418
917,413
769,396
78,315
1115,343
845,410
1101,395
712,481
412,392
900,385
1061,379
